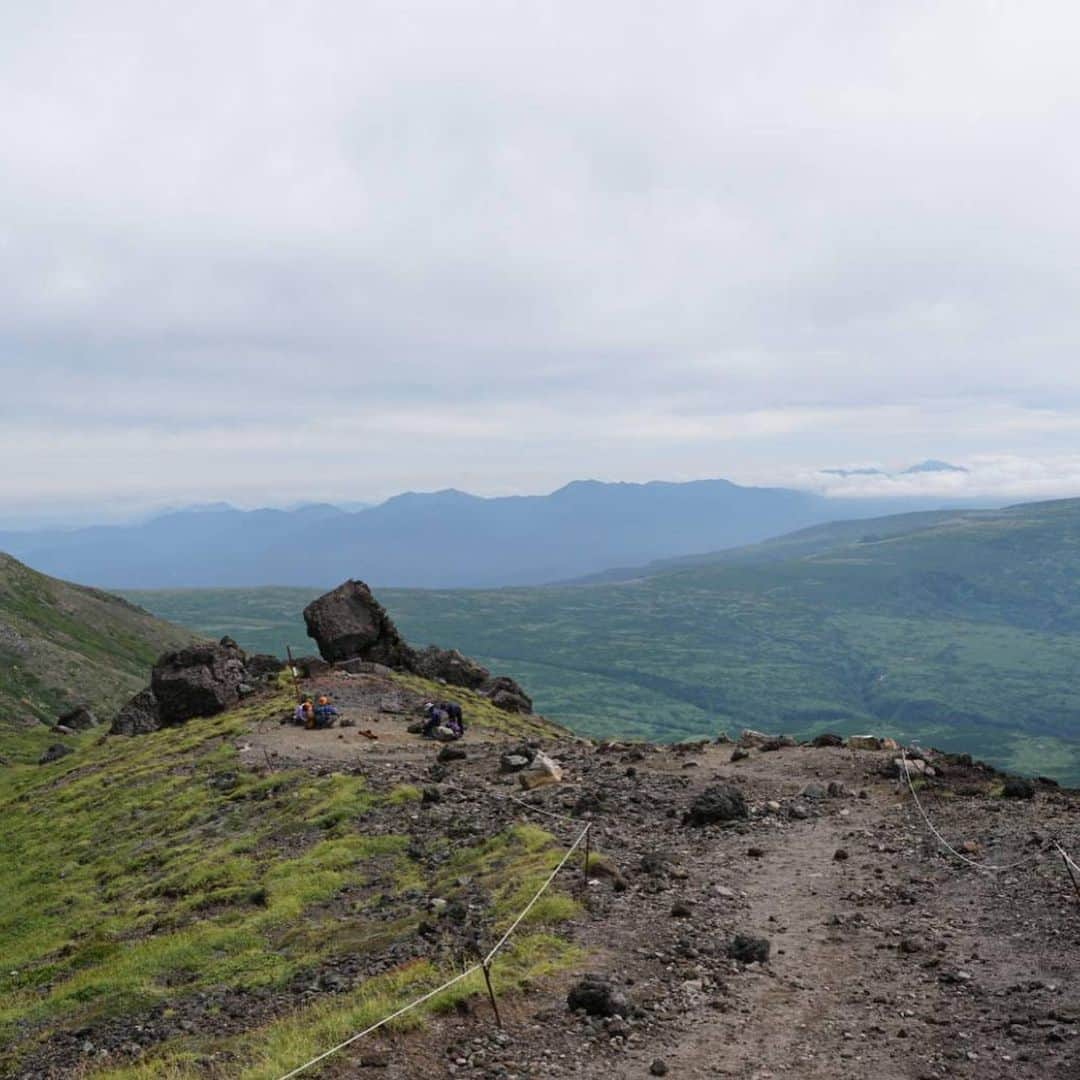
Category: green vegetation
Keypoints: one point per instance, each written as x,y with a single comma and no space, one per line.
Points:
962,630
141,872
62,645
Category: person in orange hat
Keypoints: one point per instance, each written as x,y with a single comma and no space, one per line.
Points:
325,713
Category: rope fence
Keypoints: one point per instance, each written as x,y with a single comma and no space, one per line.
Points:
483,966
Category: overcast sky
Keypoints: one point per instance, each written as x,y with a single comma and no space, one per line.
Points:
276,251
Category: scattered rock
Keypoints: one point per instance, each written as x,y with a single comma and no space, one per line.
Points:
451,753
749,950
827,738
540,772
54,753
78,719
658,1067
721,802
681,910
1018,788
840,855
510,763
596,996
260,665
739,754
814,791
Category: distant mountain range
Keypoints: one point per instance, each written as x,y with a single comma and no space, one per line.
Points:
443,539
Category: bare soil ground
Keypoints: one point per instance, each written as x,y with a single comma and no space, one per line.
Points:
889,958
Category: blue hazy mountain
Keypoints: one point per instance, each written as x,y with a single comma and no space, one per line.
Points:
439,539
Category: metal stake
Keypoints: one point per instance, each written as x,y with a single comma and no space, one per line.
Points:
491,993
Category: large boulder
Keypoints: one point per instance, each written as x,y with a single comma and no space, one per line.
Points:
349,622
451,666
721,802
78,719
139,716
201,680
507,695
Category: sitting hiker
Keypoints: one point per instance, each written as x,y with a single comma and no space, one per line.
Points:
304,714
444,721
325,713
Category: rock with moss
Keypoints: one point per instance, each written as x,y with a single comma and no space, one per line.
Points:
78,719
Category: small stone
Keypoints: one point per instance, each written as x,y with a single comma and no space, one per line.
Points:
748,950
658,1067
681,910
840,854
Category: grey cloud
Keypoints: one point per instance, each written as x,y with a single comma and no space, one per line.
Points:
527,242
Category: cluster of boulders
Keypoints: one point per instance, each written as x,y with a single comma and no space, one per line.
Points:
351,629
201,680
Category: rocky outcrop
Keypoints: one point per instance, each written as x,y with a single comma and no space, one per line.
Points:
78,719
451,666
349,622
139,716
507,695
355,634
201,680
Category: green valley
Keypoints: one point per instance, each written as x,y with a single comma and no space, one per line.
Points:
962,630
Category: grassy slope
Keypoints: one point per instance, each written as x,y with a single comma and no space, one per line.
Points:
62,644
962,629
138,872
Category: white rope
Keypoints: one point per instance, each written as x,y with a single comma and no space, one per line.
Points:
543,888
385,1020
945,843
1066,856
457,978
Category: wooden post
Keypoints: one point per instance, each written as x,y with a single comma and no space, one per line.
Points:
588,838
485,967
292,672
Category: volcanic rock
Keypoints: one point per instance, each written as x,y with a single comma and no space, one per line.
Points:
54,753
453,667
1018,788
748,950
597,997
201,680
139,716
349,622
78,719
541,770
506,694
721,802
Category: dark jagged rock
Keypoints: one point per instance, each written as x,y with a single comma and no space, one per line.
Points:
139,716
827,738
78,719
262,664
349,622
749,950
597,997
201,680
504,693
453,667
721,802
54,753
1018,788
451,753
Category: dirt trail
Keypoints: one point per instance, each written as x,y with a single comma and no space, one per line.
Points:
892,962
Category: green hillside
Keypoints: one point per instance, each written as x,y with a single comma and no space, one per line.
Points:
63,644
959,629
174,900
